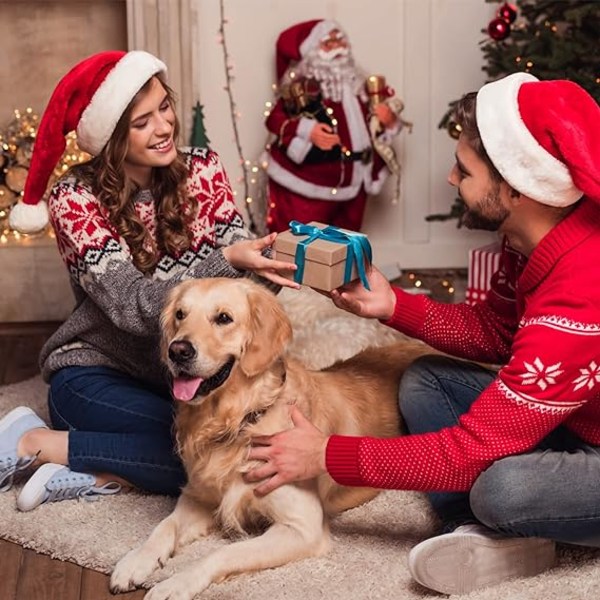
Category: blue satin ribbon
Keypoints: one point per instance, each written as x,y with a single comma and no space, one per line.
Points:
359,249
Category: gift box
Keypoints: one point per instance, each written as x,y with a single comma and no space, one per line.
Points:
327,257
483,263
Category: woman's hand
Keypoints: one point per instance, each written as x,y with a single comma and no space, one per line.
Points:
292,455
247,256
378,303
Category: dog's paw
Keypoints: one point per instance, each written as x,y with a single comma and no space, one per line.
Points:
179,587
135,568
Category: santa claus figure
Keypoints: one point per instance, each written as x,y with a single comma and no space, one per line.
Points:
322,162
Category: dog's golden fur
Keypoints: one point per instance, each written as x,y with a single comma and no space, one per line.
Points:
229,321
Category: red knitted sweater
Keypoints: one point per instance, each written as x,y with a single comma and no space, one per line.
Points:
541,320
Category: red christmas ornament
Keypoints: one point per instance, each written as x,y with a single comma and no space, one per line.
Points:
508,12
499,29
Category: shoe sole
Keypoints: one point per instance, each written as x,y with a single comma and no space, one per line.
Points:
459,565
33,492
14,415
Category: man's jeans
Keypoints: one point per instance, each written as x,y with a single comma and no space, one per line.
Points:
551,492
117,425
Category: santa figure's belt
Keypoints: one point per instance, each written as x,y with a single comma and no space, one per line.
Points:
364,156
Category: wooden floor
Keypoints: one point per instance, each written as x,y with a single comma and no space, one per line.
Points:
24,574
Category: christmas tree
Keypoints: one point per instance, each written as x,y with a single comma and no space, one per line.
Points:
551,39
198,137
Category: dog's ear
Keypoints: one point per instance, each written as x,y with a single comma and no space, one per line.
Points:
270,331
167,321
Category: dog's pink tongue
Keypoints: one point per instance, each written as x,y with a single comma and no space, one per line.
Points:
185,388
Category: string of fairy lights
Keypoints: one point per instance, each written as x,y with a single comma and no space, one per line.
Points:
438,285
253,177
253,172
235,114
16,144
16,141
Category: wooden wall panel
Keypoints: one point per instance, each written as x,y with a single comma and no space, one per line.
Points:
42,39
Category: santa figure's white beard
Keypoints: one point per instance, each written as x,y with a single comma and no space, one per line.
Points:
333,70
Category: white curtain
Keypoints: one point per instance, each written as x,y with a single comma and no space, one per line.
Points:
167,29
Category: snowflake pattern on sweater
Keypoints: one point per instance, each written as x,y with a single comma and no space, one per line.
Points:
541,321
115,322
87,241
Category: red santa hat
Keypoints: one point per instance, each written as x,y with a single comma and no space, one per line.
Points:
297,41
89,99
542,136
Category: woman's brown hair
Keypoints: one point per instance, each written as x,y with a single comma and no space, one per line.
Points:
105,175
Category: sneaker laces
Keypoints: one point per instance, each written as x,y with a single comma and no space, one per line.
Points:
70,489
10,467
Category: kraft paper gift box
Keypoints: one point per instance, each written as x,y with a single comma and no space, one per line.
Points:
327,257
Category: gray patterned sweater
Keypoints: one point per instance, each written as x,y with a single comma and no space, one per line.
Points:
115,320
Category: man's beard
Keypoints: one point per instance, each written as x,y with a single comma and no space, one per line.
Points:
488,214
332,70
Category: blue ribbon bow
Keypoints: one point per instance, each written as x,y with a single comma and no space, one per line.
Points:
359,249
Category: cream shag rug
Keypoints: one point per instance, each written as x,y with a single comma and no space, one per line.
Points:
370,543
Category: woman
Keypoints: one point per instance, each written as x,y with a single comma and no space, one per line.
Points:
133,222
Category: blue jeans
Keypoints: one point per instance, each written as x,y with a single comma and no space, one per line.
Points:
551,492
117,425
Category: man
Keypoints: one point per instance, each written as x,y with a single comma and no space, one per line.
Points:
322,163
501,453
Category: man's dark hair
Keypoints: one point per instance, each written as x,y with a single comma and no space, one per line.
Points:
465,116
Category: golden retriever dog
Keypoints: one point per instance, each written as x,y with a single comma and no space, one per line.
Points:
224,343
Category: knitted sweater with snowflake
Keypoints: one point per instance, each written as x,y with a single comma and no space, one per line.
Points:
541,320
115,322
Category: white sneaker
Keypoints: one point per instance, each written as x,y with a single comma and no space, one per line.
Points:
12,427
54,483
473,557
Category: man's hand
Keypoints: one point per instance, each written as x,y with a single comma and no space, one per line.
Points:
322,137
379,303
293,455
247,255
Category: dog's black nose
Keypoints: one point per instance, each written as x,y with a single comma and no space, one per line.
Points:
181,351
